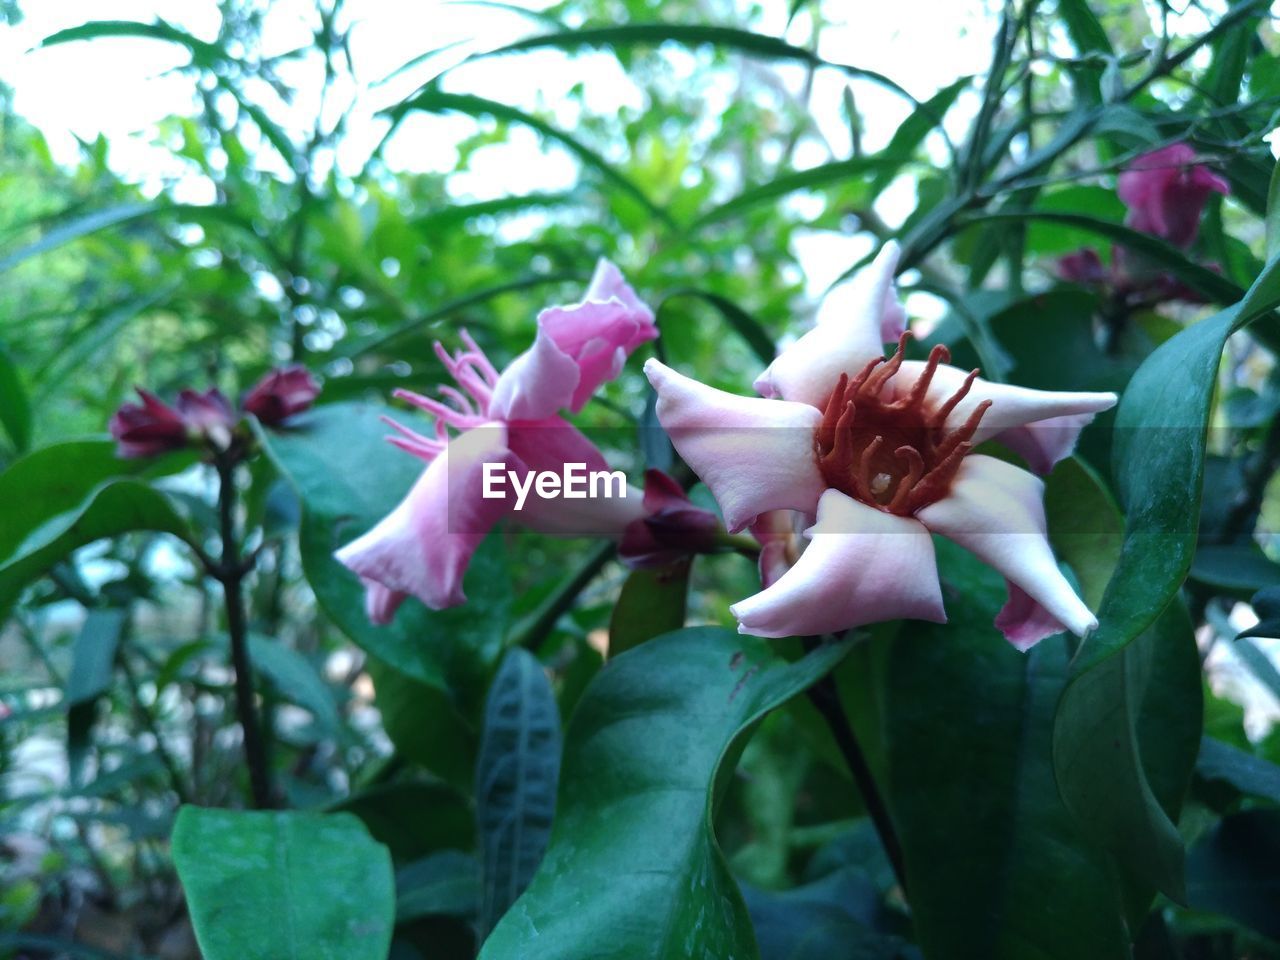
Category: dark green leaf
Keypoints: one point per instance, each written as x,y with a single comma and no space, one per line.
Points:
515,781
202,53
414,818
633,871
1259,664
815,178
446,883
284,886
1159,464
1273,216
424,724
1232,871
93,662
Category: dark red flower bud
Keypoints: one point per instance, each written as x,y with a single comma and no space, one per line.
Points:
207,415
672,527
1083,266
281,394
147,429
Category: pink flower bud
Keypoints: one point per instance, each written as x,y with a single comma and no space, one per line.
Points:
281,394
671,528
1084,266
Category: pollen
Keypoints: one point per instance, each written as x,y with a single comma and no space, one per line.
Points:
889,448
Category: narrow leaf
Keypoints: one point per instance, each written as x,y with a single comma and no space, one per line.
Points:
516,777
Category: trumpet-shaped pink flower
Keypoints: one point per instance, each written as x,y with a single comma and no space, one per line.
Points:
877,453
511,419
1166,190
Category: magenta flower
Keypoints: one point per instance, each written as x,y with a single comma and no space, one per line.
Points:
281,394
672,527
153,427
506,421
147,429
1166,191
879,453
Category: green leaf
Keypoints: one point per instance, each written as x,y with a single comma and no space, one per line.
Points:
1159,465
414,818
653,34
515,781
446,883
296,679
348,479
1086,33
815,178
93,662
1259,664
1273,215
424,724
15,407
633,870
1232,870
284,886
432,100
909,135
116,507
1200,278
652,602
202,53
744,324
996,865
1252,776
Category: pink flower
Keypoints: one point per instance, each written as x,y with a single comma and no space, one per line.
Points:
1166,191
1084,267
153,427
577,348
877,455
281,394
510,419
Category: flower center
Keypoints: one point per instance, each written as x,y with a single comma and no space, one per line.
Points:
893,452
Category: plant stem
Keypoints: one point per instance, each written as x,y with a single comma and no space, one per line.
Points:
826,699
230,573
541,621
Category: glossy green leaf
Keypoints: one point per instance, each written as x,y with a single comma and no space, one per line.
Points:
996,865
296,679
414,818
516,779
1272,224
284,886
1159,465
425,725
349,478
633,870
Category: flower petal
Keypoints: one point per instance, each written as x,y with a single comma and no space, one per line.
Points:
807,370
996,511
862,566
549,446
380,603
1058,416
754,455
423,546
1024,622
578,347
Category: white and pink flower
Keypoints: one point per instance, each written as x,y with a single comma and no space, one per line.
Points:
422,548
877,454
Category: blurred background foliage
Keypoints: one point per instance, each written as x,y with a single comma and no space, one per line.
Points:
737,173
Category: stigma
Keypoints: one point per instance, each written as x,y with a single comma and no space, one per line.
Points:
884,444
